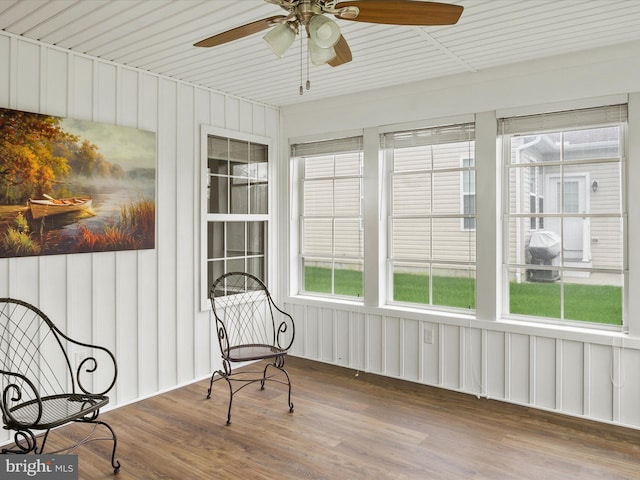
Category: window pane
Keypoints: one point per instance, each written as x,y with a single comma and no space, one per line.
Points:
239,196
605,187
410,283
536,148
411,194
348,237
540,299
454,286
606,243
411,239
348,164
447,154
218,147
317,276
217,165
217,193
215,243
414,158
515,242
259,197
347,196
258,153
255,266
317,236
592,143
318,197
589,301
256,238
447,191
236,265
532,182
214,270
236,240
239,150
543,252
450,243
348,279
318,167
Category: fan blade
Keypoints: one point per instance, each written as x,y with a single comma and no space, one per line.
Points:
343,53
404,12
238,32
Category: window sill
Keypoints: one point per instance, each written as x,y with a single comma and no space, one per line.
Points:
504,325
576,333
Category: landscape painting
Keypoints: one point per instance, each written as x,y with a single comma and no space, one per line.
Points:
72,186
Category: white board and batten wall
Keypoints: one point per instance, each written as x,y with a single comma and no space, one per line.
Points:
582,372
144,305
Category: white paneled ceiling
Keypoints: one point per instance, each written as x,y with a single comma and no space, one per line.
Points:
158,36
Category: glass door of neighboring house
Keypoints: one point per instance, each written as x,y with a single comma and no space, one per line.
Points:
576,232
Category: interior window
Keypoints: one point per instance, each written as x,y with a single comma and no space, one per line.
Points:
331,221
431,255
565,256
237,207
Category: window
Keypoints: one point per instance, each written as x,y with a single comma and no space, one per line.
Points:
331,221
431,255
236,207
564,210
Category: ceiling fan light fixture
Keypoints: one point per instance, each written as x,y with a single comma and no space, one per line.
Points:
280,38
324,31
320,56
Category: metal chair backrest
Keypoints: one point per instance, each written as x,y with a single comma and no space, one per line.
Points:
35,359
246,314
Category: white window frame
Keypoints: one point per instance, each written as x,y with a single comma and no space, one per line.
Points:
319,148
445,132
206,218
564,121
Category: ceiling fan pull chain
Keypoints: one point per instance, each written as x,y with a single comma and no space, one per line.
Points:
301,52
308,85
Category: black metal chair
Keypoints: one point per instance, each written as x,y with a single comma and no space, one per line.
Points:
250,327
40,388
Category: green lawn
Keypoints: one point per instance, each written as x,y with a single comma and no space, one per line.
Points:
589,303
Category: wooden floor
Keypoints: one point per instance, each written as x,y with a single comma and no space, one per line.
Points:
348,427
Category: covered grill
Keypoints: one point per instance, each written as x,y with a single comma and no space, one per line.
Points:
544,249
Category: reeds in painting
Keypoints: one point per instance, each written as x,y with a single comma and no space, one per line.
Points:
17,241
135,229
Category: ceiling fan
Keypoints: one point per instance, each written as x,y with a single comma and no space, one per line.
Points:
325,43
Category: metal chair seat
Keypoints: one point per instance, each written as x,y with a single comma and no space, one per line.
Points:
56,410
244,353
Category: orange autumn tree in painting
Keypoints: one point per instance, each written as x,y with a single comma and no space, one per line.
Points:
29,165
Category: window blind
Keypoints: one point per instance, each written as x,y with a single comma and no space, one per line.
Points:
430,136
597,116
325,147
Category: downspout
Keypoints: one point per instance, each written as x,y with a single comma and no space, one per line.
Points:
519,204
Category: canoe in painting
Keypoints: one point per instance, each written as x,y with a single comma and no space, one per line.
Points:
53,206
